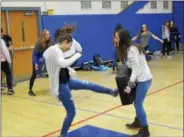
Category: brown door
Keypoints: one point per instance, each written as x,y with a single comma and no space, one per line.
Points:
24,32
3,22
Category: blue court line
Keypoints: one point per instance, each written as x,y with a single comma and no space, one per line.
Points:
89,111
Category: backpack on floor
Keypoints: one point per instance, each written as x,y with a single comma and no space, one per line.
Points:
87,66
97,60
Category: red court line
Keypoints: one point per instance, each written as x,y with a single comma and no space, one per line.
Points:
84,120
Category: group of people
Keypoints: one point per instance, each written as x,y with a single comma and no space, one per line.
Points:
170,38
58,59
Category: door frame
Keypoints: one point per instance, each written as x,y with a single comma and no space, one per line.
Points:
39,27
38,9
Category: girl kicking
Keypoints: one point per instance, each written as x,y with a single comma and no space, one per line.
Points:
61,83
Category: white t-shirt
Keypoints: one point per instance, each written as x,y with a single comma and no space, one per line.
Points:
54,60
76,47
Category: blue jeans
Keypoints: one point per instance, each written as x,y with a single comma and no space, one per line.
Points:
141,91
65,97
115,59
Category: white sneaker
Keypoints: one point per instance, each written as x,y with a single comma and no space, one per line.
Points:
169,57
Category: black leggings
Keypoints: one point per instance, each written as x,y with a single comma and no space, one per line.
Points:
7,70
167,45
146,48
177,44
32,79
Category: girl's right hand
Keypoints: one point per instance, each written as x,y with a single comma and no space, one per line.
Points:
36,67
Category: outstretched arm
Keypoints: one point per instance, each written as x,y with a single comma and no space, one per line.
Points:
156,38
135,38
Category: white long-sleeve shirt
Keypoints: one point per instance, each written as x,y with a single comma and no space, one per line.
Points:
5,55
54,60
76,47
165,33
138,64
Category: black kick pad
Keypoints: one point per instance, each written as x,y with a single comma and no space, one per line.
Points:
122,78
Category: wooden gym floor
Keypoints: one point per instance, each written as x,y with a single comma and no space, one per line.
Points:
43,115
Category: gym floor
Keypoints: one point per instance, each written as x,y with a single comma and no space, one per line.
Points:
43,115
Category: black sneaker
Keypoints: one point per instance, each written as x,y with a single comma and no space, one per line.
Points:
114,92
143,132
2,88
46,75
10,92
136,124
31,93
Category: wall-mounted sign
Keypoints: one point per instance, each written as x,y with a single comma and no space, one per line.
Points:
50,12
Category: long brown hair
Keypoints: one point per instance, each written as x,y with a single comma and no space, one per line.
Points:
67,29
168,27
125,43
43,40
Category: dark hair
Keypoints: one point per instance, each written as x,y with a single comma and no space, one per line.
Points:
67,29
66,37
125,43
141,31
174,25
58,33
117,28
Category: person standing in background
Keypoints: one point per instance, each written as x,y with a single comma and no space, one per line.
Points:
174,36
8,41
166,39
144,36
41,45
115,43
6,66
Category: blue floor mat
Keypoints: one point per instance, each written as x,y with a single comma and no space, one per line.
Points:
91,131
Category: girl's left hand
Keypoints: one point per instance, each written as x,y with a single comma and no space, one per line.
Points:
127,90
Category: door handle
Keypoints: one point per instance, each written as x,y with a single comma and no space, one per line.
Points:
23,48
23,31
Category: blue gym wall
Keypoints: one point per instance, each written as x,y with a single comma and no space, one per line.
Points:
178,17
94,32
